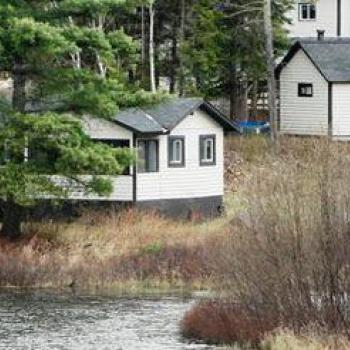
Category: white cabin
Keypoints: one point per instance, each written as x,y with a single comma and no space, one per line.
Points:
180,147
331,16
314,81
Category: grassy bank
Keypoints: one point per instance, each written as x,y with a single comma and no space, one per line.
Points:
126,250
122,250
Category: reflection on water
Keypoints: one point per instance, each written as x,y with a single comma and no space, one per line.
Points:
48,321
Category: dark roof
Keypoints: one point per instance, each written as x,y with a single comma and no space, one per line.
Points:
331,57
138,120
164,117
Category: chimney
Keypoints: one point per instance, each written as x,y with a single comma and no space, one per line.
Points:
320,34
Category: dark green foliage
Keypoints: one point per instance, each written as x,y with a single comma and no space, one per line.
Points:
63,56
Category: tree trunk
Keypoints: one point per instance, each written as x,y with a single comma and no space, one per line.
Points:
182,38
19,87
270,68
173,66
12,220
143,47
254,100
12,213
151,48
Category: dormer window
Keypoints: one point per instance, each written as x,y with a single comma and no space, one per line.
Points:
307,12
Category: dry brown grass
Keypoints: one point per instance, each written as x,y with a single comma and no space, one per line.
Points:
127,232
114,249
288,252
288,340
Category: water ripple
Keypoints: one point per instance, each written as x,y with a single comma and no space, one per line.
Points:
42,321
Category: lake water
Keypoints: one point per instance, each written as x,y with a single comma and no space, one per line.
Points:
69,322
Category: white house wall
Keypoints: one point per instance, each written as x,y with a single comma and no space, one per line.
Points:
341,111
123,184
326,19
103,129
193,180
345,23
303,115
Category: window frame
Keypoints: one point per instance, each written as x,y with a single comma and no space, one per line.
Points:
174,163
157,156
309,6
113,143
202,140
302,86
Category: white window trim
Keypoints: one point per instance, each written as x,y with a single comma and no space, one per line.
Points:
206,158
308,19
175,143
205,141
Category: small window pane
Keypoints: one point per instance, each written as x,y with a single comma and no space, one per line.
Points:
312,11
147,156
142,156
208,154
305,90
207,150
176,151
152,156
304,12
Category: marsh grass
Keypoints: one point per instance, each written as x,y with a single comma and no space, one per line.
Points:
288,251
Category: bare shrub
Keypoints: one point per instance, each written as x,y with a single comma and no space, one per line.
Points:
226,323
289,250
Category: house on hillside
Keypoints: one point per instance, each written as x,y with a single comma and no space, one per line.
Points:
180,147
314,80
331,16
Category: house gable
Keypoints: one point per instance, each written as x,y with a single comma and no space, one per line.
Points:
299,114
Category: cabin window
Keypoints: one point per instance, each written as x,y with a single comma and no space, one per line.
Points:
176,151
305,90
207,144
117,144
148,156
307,12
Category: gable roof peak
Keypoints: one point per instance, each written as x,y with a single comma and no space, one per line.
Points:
330,56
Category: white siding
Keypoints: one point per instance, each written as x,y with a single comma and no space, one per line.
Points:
341,110
326,19
303,115
104,129
345,24
192,181
122,185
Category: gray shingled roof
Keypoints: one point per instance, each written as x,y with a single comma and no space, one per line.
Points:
138,120
170,113
331,56
162,118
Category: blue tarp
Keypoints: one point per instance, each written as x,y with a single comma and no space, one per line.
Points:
256,127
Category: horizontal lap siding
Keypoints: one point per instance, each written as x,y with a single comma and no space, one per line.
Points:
326,20
345,23
122,190
102,129
122,185
303,115
341,110
192,181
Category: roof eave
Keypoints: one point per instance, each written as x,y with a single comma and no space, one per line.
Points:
226,123
140,132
